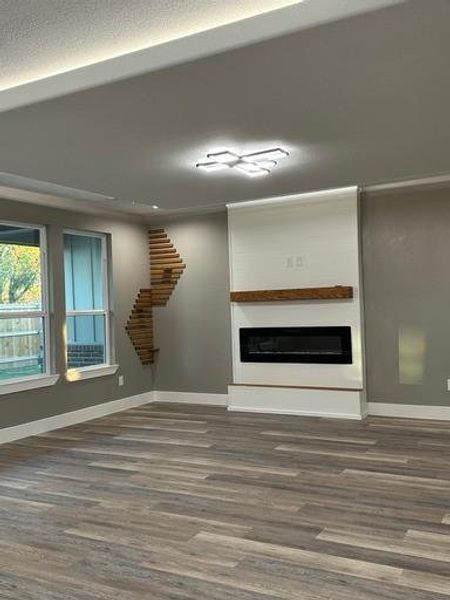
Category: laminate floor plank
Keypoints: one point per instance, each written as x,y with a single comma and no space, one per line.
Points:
185,502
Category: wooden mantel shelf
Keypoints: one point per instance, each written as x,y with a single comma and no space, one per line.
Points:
336,292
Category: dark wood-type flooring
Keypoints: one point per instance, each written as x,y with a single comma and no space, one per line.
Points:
171,502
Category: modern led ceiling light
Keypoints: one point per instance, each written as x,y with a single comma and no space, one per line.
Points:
225,158
254,164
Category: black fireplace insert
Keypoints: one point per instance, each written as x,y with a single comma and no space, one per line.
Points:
331,345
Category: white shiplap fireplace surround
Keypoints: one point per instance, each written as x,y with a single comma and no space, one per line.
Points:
299,241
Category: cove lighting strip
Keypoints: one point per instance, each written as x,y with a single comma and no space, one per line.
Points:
52,189
253,165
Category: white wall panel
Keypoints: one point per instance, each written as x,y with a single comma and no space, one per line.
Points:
306,240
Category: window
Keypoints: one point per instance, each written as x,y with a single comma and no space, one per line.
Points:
24,327
87,303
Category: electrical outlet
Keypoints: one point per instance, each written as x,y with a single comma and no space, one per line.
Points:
121,380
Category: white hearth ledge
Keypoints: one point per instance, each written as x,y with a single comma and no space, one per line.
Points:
329,403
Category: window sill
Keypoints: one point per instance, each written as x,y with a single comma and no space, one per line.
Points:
28,383
91,372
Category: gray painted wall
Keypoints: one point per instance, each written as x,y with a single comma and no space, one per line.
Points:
406,267
193,331
406,257
129,249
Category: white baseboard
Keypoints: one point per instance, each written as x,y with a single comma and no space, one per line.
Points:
332,404
409,411
191,398
237,403
295,413
10,434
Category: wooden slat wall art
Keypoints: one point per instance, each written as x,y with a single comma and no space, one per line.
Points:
166,268
140,326
321,293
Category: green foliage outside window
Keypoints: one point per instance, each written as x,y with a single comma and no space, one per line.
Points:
19,274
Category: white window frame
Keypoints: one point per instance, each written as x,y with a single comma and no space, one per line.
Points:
106,368
46,378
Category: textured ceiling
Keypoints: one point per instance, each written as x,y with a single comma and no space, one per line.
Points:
362,100
39,38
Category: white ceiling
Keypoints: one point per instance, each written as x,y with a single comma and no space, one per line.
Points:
45,54
40,38
359,100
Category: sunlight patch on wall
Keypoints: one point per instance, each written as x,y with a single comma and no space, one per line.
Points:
411,355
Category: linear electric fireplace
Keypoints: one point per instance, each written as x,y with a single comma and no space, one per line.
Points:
332,345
